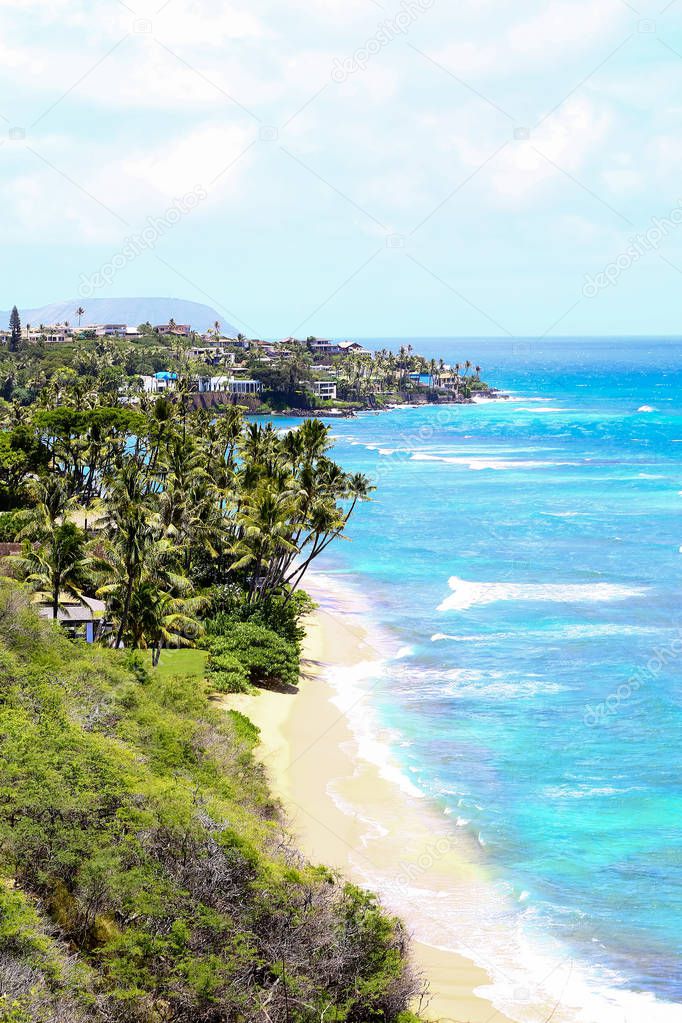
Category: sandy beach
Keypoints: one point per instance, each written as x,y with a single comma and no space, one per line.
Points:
352,814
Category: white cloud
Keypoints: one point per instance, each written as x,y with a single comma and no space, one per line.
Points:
535,41
90,194
565,143
197,157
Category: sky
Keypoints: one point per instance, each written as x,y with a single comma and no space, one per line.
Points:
349,167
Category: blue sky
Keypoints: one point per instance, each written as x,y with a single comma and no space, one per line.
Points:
349,167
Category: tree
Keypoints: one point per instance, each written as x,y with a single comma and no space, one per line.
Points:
158,618
58,565
80,312
51,506
15,328
133,535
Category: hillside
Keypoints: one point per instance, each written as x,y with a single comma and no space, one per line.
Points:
132,311
146,875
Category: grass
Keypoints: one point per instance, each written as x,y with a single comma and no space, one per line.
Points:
180,662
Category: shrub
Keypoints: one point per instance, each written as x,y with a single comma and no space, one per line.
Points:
137,665
282,616
152,878
226,673
265,658
10,524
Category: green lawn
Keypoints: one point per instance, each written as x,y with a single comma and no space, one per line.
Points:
180,662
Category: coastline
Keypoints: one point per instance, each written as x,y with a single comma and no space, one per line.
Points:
352,814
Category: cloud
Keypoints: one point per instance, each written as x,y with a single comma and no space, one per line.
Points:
535,41
565,143
60,193
197,157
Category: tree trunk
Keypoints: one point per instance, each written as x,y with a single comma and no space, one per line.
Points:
125,612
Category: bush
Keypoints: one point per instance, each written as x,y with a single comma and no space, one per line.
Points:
226,673
136,664
152,878
282,616
10,524
264,658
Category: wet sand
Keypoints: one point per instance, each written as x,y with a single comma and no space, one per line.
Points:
347,813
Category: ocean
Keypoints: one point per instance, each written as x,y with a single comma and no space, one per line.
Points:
525,558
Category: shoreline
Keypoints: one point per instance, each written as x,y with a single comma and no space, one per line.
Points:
478,397
352,814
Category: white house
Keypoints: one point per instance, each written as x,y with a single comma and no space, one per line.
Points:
212,353
159,382
352,347
228,385
111,329
325,389
245,387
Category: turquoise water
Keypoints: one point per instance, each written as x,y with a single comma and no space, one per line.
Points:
528,555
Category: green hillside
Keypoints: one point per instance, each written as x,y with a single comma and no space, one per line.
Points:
145,872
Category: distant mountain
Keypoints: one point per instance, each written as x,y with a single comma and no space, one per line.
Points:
132,311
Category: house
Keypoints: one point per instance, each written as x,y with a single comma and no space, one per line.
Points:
228,385
322,346
245,387
111,329
183,329
352,348
81,620
56,334
159,382
325,389
212,354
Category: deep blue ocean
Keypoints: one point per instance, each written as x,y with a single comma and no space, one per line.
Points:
528,553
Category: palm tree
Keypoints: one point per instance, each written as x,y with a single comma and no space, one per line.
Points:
133,533
80,312
58,565
162,611
51,505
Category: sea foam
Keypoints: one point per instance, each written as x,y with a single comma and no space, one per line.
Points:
467,594
479,463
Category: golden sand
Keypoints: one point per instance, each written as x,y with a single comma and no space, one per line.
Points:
308,750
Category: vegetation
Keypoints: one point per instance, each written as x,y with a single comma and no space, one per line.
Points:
145,874
162,511
36,370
